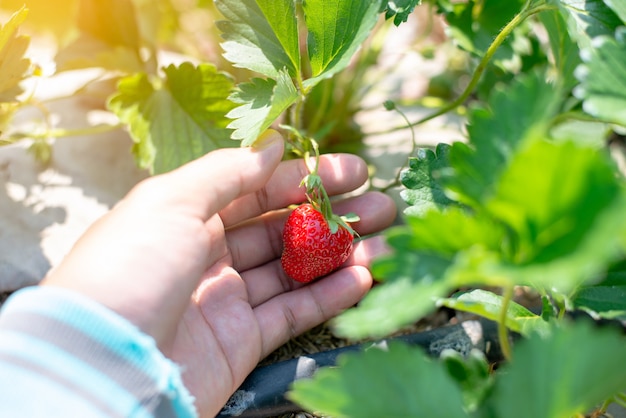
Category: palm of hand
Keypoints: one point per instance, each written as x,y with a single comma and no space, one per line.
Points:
200,266
236,319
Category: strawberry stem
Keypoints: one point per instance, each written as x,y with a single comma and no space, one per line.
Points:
318,197
315,192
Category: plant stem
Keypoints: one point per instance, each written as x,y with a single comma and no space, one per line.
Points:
620,399
297,113
582,117
605,406
396,181
298,109
503,334
482,65
322,110
61,133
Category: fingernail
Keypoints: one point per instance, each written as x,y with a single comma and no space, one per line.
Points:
267,139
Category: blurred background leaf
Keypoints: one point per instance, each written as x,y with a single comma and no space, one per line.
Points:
177,118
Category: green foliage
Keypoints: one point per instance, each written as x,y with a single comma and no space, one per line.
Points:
489,305
393,381
527,200
565,51
14,67
532,197
263,36
564,233
433,254
619,7
523,225
400,10
423,188
176,118
550,378
533,229
576,356
261,102
336,30
471,373
377,317
606,299
587,19
474,24
13,64
603,78
512,113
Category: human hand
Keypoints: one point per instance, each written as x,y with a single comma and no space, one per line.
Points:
192,257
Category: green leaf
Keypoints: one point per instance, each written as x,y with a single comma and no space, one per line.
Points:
616,275
418,271
460,18
564,375
337,28
565,206
565,51
397,382
132,106
495,14
619,7
41,150
587,19
109,38
448,232
422,181
261,35
585,132
489,305
606,301
603,78
472,373
261,103
400,10
515,111
474,24
175,119
13,64
390,307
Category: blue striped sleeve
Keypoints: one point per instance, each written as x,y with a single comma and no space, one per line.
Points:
63,355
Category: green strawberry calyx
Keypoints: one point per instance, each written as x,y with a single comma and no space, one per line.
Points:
317,196
308,149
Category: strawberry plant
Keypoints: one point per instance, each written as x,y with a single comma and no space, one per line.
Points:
531,199
534,198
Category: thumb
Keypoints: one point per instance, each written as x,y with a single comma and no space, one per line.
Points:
206,185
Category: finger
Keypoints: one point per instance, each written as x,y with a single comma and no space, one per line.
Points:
206,185
340,173
269,280
260,240
290,314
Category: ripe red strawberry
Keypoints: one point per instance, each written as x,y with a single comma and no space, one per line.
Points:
311,250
